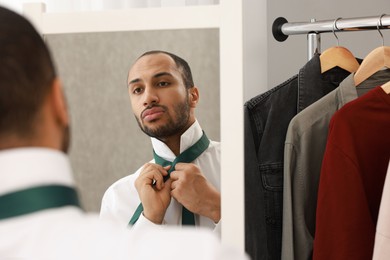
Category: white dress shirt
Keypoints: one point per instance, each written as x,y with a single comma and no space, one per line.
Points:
69,233
121,198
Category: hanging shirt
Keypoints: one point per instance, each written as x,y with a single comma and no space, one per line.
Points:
304,149
266,121
69,233
382,235
352,177
121,198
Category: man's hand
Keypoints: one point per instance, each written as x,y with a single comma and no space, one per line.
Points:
191,189
153,192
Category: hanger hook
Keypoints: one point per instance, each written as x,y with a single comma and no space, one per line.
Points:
377,27
334,28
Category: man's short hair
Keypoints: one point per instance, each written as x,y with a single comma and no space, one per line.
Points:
26,74
181,64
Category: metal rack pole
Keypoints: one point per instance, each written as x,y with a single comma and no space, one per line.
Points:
313,43
282,27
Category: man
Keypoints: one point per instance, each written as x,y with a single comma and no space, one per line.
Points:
39,213
163,99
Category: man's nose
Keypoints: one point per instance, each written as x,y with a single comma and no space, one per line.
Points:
150,96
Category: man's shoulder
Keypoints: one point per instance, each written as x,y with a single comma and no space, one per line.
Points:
215,143
128,178
125,182
214,146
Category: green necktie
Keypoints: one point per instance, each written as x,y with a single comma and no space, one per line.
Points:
35,199
187,156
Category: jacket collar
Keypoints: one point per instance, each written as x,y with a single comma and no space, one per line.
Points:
348,91
312,84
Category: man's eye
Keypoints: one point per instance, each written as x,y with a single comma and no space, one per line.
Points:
162,84
137,90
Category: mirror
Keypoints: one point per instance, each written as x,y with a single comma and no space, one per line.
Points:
106,142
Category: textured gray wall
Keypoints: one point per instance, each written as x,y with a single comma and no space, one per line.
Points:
106,141
286,58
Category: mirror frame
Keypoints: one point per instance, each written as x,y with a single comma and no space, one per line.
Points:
228,18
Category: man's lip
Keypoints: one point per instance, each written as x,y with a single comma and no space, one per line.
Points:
151,111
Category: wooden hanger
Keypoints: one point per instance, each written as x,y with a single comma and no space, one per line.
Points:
338,56
386,87
374,61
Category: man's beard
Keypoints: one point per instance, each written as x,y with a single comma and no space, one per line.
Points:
172,127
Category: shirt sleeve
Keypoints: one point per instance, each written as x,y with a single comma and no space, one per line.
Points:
287,234
120,201
107,209
143,223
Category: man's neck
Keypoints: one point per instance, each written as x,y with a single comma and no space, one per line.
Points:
173,142
15,141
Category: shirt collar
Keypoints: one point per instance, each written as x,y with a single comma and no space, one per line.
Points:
348,91
312,84
187,139
22,168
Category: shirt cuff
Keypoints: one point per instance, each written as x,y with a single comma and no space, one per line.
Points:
144,223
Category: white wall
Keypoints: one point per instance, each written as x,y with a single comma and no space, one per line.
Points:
94,5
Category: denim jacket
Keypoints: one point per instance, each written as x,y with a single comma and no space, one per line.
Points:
266,120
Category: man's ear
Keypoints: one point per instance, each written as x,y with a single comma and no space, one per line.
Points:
193,96
59,104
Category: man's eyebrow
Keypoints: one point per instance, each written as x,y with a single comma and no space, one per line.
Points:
134,81
160,74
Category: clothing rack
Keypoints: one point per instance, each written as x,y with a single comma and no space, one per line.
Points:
281,28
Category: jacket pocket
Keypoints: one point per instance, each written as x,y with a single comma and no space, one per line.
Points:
272,176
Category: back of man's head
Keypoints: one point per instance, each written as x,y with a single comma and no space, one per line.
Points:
26,74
